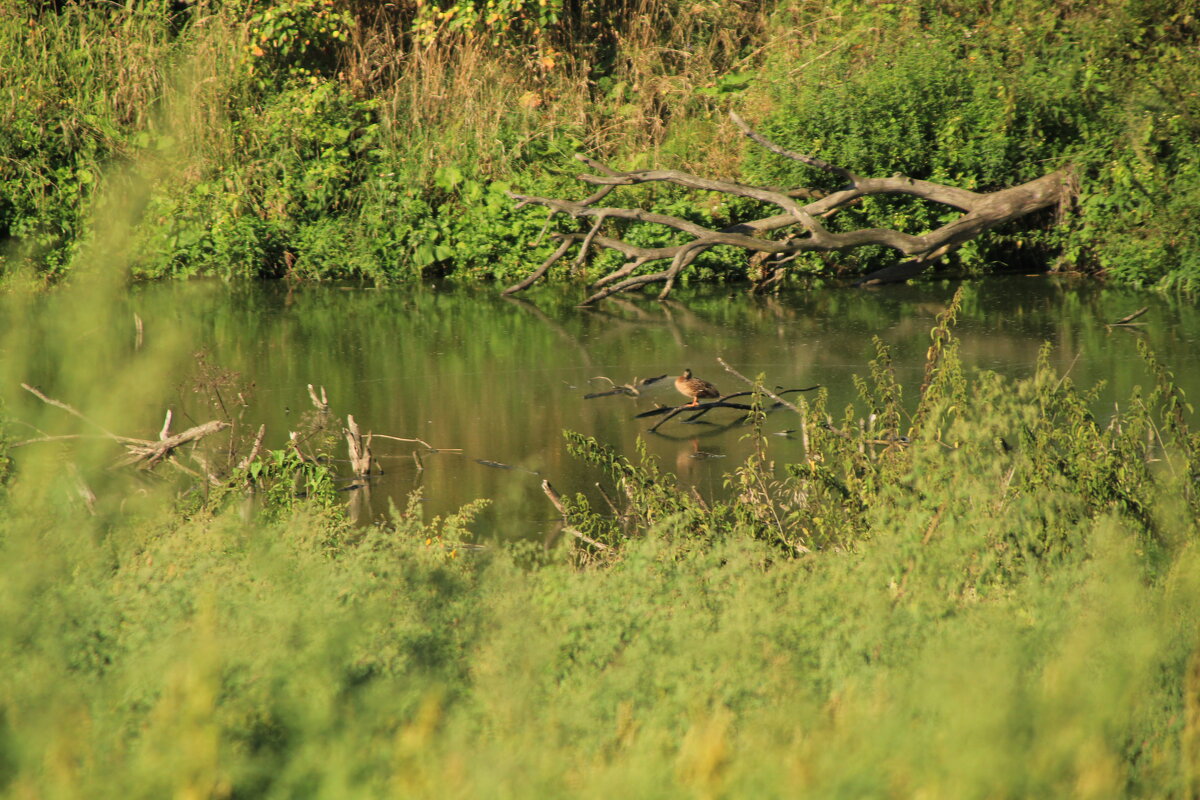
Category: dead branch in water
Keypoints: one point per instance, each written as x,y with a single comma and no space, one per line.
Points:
149,454
1127,321
360,450
722,402
556,499
633,389
764,389
421,442
803,212
146,453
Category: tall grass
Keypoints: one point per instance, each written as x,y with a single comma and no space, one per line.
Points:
1000,597
342,139
323,139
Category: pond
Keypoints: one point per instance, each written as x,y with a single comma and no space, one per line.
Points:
492,383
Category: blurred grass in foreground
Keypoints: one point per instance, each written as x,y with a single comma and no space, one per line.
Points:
1008,606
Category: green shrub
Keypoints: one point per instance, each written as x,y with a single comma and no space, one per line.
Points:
320,138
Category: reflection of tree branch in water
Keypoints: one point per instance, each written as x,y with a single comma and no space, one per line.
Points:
641,318
673,326
681,321
558,329
633,308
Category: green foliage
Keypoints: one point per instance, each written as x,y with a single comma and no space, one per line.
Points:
985,100
296,40
286,479
320,139
276,211
997,596
499,20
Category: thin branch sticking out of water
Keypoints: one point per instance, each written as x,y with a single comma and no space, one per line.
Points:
722,402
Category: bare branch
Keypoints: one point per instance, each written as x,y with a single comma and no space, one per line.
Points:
803,159
540,271
764,389
73,412
320,400
421,442
245,463
151,453
981,212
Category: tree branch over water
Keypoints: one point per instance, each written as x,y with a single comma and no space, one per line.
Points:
981,212
721,402
147,453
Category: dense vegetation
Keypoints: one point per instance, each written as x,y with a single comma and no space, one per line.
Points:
997,594
970,587
324,139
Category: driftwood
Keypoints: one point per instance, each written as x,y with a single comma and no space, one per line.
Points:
765,391
721,402
359,448
146,453
633,389
421,442
320,400
556,499
803,212
1127,321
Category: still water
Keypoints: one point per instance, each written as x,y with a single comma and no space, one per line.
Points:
492,383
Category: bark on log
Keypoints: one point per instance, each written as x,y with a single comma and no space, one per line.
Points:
981,212
358,447
149,454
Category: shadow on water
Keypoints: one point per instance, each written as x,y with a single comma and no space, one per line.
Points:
491,383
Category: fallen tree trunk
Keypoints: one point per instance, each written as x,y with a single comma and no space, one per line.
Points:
801,212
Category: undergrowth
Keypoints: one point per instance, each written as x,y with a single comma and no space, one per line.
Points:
990,592
339,139
1022,464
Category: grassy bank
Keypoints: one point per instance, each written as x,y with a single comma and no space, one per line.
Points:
995,595
326,139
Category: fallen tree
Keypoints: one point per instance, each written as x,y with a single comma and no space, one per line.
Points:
800,228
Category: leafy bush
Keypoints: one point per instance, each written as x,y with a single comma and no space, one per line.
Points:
320,139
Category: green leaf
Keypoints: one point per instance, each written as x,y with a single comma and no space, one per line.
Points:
447,177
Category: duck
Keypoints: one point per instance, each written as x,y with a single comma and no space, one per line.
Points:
695,388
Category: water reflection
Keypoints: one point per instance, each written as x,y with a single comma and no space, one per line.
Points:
490,383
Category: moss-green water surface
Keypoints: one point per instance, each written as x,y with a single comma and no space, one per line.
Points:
499,380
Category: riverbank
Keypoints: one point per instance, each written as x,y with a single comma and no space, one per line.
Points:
322,140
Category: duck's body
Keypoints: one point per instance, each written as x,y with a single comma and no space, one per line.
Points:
695,388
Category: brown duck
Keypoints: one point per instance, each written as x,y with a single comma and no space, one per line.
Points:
695,388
